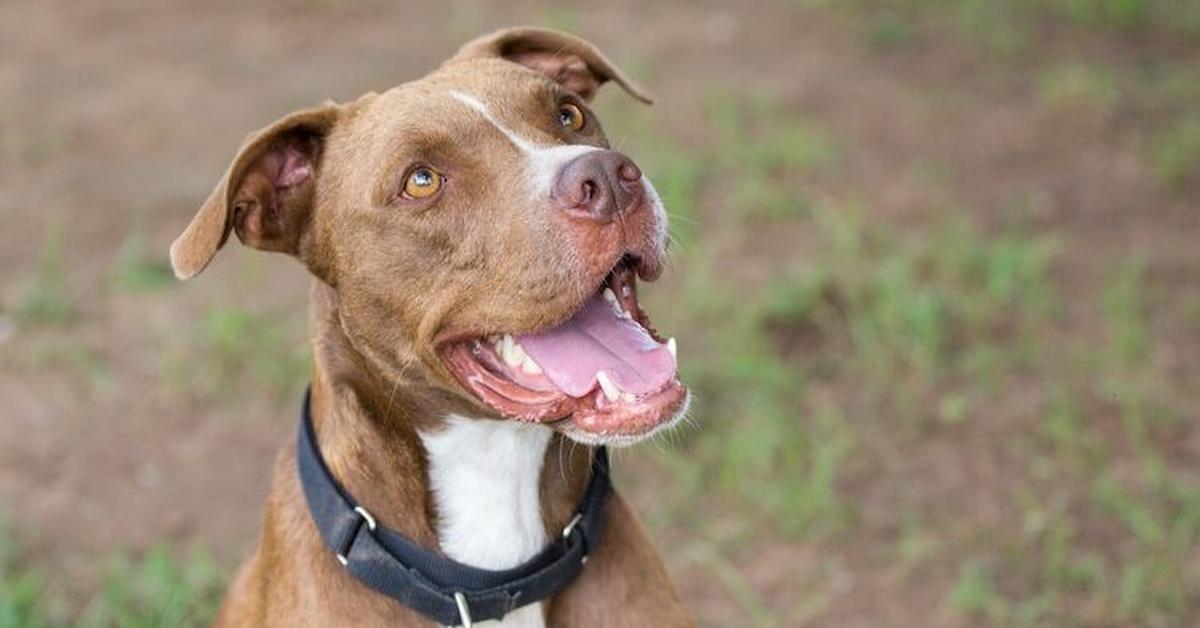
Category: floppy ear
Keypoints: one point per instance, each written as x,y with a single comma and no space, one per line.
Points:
266,195
572,62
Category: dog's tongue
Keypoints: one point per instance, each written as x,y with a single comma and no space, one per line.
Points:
600,337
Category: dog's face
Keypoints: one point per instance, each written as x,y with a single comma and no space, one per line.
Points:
483,240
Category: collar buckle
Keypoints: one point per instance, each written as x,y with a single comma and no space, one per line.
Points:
570,527
464,611
566,535
367,518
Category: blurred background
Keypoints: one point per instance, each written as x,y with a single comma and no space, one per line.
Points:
936,283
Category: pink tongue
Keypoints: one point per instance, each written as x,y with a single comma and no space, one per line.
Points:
600,338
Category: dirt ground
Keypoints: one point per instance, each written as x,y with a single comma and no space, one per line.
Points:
118,118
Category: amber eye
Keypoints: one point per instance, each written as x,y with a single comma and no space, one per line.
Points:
571,117
422,182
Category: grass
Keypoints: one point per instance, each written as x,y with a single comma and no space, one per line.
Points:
156,589
770,150
870,327
1010,25
21,601
1074,84
889,31
47,299
974,593
1124,308
898,304
136,269
885,309
1152,91
756,611
231,346
1176,151
62,354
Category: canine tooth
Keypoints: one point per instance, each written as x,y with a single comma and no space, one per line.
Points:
609,296
511,351
672,347
611,392
627,397
531,367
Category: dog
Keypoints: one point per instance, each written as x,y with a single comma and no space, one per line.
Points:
477,339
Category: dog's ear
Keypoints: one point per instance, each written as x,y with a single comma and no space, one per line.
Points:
265,196
572,62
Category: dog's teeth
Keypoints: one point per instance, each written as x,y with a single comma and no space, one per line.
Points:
611,392
672,348
530,367
627,397
511,351
609,296
515,356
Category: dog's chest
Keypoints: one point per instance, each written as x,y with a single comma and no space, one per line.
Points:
485,480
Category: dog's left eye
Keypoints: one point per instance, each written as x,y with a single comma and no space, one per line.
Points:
422,182
571,117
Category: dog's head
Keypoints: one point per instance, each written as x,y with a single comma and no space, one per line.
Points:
483,239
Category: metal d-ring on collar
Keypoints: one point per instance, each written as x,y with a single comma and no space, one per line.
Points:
442,589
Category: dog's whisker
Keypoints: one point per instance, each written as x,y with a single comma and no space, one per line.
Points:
676,244
680,217
562,465
658,440
620,144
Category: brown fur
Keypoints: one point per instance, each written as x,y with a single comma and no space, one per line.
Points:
394,276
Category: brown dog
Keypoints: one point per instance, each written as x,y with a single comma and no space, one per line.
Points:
476,246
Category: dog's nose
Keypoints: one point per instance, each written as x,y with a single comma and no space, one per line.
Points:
599,184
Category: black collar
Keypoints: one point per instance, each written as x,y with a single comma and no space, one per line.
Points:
426,581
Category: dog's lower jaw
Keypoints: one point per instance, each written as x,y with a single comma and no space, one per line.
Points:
584,437
485,478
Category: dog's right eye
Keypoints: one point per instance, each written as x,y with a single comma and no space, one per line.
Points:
422,182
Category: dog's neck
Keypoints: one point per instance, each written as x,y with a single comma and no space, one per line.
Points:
488,493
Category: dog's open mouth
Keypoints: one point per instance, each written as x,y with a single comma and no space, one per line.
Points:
605,368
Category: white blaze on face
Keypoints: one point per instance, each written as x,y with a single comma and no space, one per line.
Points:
546,161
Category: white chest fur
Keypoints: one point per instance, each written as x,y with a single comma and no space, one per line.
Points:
485,480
